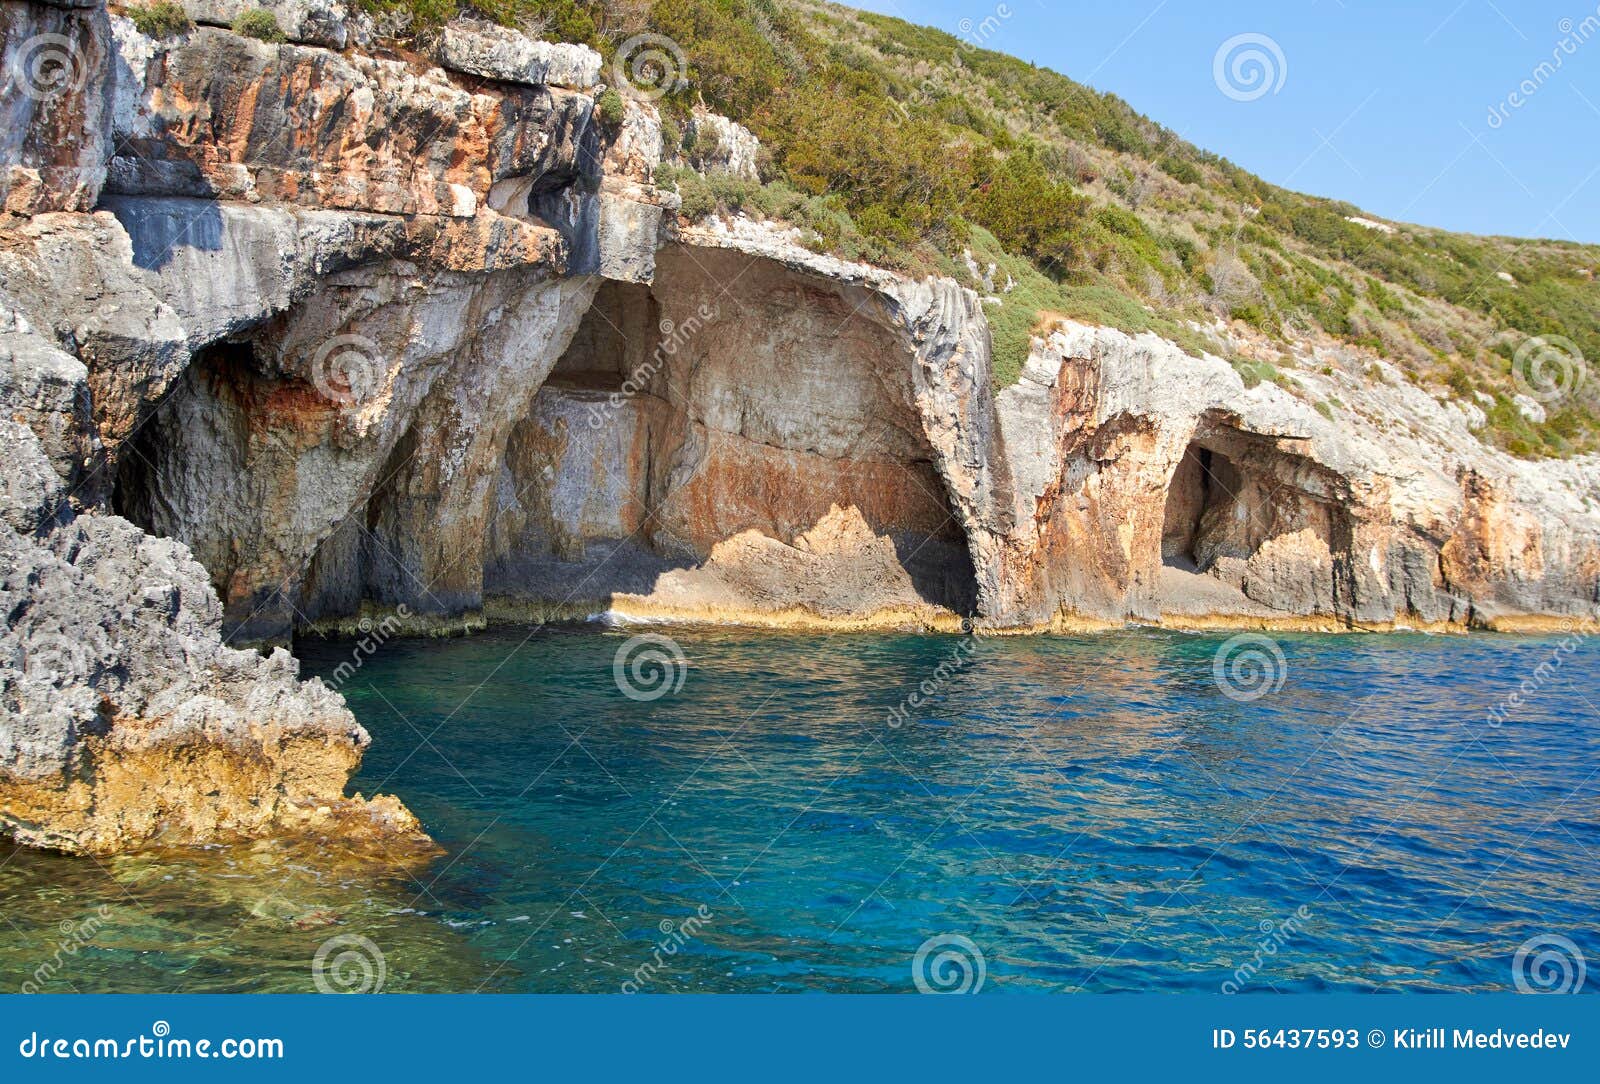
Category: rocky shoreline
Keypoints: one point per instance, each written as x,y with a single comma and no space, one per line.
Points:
293,333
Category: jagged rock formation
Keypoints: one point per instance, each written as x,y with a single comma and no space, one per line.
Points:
290,333
1154,485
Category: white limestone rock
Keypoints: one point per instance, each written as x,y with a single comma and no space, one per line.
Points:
497,52
329,23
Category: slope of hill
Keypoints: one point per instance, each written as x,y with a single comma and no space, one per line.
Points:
912,148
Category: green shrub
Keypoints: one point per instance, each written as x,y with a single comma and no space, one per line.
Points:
1181,170
1254,372
259,24
611,107
162,19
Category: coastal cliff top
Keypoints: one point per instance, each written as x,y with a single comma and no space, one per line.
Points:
1059,202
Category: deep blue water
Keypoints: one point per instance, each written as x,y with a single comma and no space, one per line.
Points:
1090,813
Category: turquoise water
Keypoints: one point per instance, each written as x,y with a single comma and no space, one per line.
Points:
1089,813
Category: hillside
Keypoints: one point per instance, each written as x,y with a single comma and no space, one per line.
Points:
1092,210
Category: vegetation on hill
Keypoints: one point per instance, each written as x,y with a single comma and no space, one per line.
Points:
161,19
909,147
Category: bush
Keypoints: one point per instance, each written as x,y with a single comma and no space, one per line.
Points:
611,108
1029,211
1254,372
258,24
1181,170
162,19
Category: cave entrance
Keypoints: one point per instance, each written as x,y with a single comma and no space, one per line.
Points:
1205,514
161,469
707,448
1252,525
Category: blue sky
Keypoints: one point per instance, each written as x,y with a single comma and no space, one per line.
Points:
1386,105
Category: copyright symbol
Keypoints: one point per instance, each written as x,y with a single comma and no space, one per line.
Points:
1375,1038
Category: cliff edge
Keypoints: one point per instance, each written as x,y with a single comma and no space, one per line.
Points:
295,334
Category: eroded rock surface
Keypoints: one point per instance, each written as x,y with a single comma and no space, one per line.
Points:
494,52
291,333
1153,485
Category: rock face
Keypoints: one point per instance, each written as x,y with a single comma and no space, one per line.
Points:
479,48
290,334
312,22
714,144
55,104
126,718
666,433
1152,485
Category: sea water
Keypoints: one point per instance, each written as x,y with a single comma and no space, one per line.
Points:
741,811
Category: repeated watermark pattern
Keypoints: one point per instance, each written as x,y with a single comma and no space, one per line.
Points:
935,683
944,79
1249,666
349,964
1573,37
674,935
47,67
949,963
1537,679
74,936
652,64
674,337
649,666
348,369
1548,367
1275,936
374,634
1249,66
1548,964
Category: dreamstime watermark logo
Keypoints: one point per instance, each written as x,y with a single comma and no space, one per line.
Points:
675,936
47,67
1538,678
942,80
949,963
974,34
1548,367
374,634
948,668
159,1043
1249,666
652,64
1573,36
1249,66
1548,964
347,369
349,964
674,336
74,936
1276,936
649,666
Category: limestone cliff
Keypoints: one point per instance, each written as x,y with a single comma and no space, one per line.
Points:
291,333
